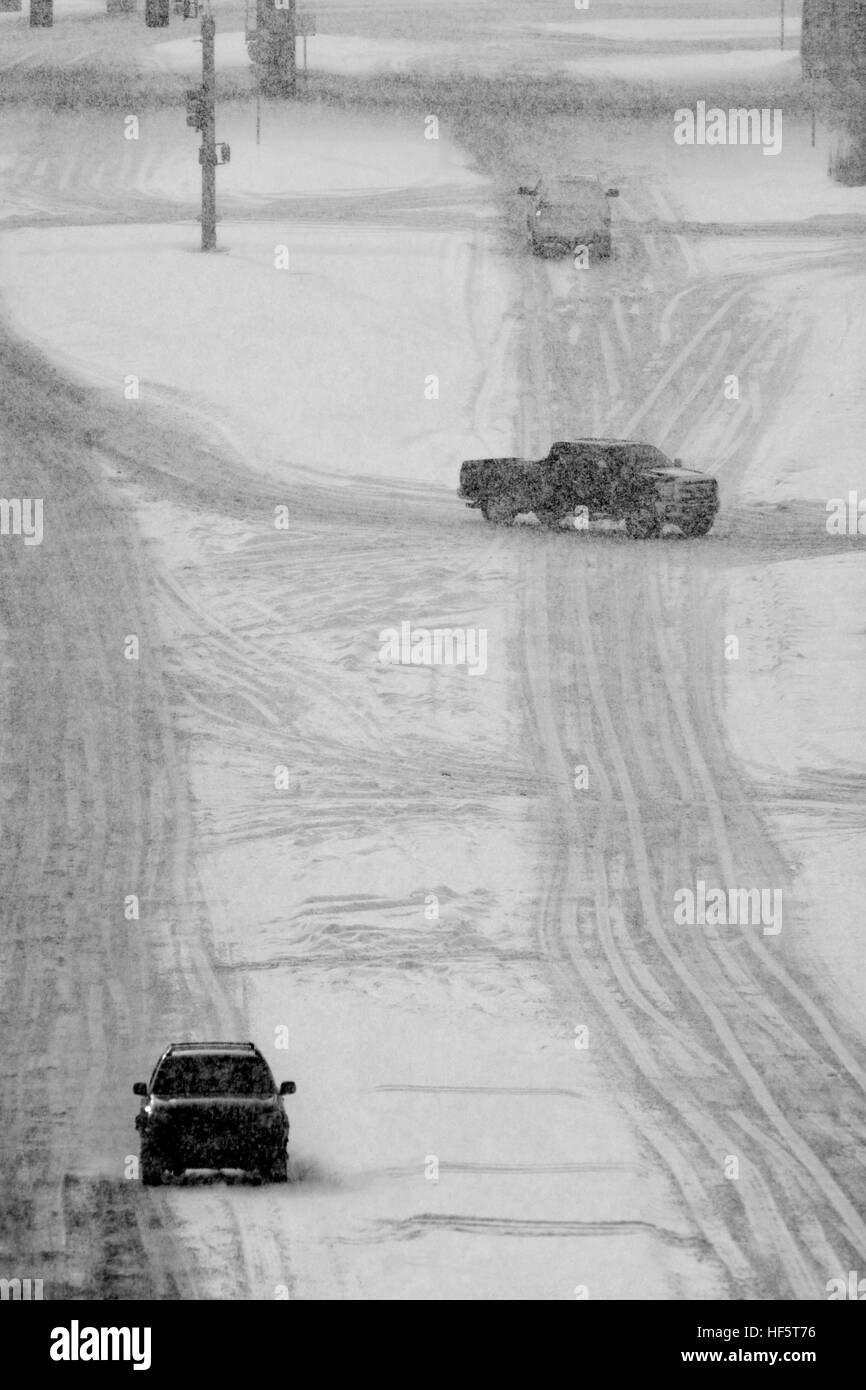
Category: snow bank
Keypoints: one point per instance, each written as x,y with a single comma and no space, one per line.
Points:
184,55
65,9
734,184
304,151
526,48
325,53
350,54
338,349
814,450
798,692
796,696
734,68
368,327
681,29
795,702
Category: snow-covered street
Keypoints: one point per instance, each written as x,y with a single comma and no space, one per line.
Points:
518,1078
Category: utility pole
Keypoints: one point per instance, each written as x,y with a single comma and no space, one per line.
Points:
290,60
782,44
201,115
207,153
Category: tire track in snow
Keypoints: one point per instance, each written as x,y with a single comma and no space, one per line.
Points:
770,1230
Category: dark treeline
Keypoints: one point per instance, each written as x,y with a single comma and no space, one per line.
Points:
833,47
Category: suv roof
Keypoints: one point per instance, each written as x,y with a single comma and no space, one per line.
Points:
573,181
209,1046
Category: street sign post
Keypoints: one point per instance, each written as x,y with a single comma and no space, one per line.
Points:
305,26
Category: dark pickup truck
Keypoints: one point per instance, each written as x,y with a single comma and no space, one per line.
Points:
593,478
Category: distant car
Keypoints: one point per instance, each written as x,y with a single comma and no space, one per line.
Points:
567,213
606,478
212,1105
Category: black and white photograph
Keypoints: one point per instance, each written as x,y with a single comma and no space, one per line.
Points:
432,665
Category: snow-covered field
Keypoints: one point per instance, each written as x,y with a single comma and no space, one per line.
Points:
325,53
737,69
516,1078
90,173
682,29
308,391
630,53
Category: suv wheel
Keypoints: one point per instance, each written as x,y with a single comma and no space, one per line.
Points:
277,1169
150,1168
642,524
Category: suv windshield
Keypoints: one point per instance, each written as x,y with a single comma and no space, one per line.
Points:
560,209
574,188
214,1075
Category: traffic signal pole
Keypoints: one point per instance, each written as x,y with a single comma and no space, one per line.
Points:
201,115
207,154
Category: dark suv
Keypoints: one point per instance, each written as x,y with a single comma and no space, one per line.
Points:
568,212
212,1105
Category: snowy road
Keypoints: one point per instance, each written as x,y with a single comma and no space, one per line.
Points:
415,1035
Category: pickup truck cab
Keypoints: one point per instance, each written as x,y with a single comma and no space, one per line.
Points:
595,478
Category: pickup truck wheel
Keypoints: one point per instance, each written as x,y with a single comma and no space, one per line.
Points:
642,524
500,510
697,525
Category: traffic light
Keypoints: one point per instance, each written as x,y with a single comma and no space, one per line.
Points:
196,108
155,13
41,14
